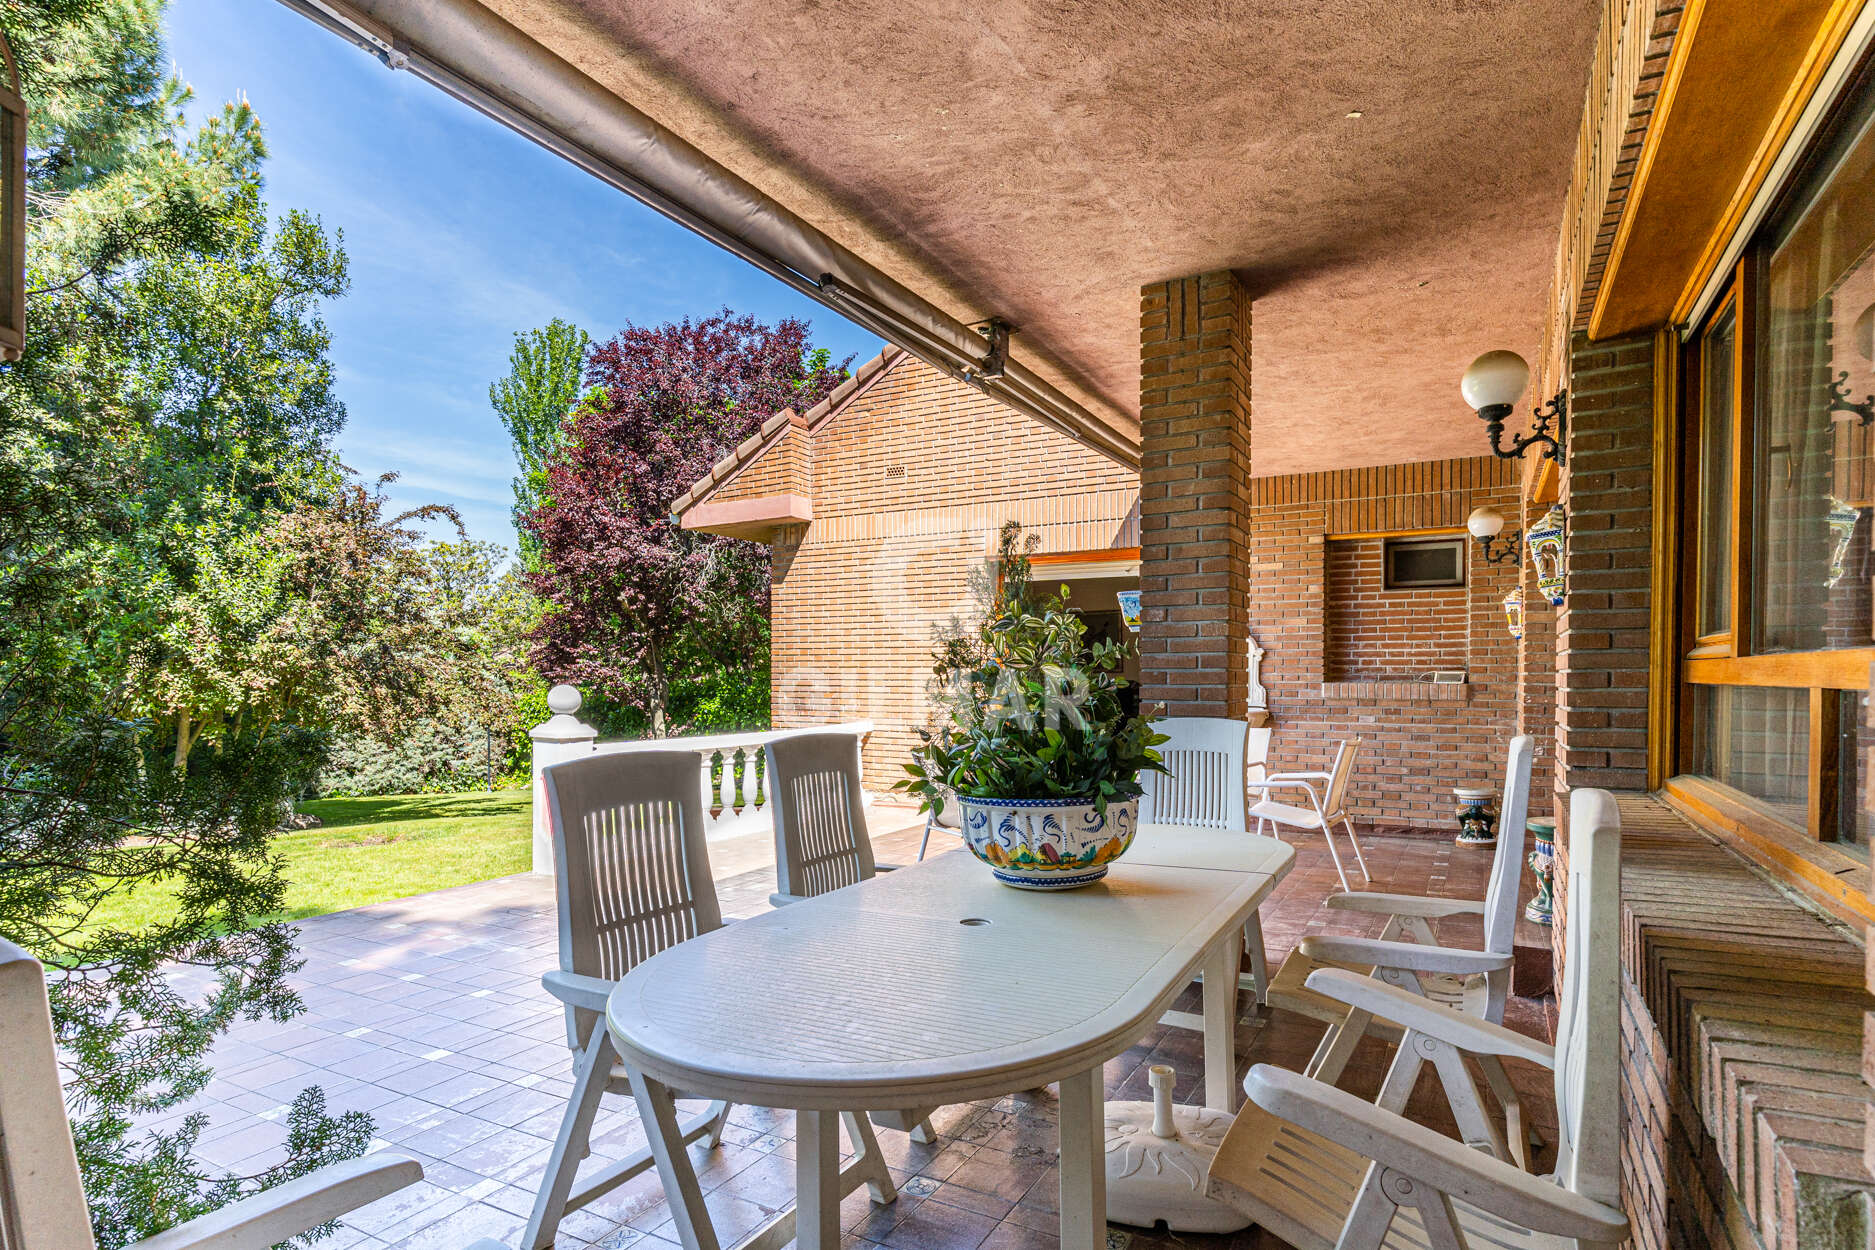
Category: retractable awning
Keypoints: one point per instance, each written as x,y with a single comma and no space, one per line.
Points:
483,61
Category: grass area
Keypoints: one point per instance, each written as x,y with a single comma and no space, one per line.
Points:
370,850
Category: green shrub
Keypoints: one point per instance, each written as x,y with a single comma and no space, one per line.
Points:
433,758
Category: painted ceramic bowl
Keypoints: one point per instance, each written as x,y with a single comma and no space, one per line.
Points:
1045,844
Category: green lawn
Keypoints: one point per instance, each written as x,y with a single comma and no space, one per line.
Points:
369,850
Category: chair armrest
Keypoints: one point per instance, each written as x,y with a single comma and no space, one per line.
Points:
1409,1010
1404,904
1302,776
786,900
586,993
285,1211
1431,1158
1410,956
877,867
1288,782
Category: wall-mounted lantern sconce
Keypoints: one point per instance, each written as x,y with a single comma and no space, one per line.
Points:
1491,386
12,209
1486,524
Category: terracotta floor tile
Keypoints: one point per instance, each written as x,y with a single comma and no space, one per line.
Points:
427,1013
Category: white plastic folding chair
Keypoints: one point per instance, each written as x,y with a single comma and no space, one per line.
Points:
1472,980
821,844
42,1197
631,877
1323,1170
1207,763
1327,795
819,810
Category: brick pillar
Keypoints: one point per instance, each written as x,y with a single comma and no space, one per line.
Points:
1602,629
1194,494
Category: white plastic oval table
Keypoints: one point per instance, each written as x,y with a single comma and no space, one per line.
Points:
935,984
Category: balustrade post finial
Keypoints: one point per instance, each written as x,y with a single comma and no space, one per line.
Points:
563,736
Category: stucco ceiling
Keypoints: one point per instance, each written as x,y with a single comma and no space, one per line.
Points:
1042,161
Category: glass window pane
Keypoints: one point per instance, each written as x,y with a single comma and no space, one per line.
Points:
1755,739
1717,418
1811,464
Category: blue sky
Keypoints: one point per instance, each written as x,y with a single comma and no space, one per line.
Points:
459,233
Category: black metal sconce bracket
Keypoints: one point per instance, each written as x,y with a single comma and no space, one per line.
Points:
1556,410
1502,548
1839,400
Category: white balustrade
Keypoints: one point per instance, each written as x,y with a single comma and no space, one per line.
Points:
734,793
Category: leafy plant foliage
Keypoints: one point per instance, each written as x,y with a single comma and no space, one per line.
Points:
533,402
193,593
1030,708
638,610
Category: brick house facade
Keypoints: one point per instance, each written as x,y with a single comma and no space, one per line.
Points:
878,506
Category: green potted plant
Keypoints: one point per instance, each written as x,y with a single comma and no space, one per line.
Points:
1032,739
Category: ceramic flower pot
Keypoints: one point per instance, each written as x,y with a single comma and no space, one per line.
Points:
1046,844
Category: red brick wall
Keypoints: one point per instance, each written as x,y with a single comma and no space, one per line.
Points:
1741,1106
911,483
1602,629
1420,740
784,469
1194,391
1376,634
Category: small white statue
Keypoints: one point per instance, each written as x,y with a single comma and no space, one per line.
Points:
1259,698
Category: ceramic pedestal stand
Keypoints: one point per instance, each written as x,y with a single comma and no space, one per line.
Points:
1157,1157
1542,908
1477,824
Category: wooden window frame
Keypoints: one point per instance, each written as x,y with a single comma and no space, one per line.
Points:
1728,658
1722,642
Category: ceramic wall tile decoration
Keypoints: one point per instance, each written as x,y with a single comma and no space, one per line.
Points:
1544,542
1129,609
1513,611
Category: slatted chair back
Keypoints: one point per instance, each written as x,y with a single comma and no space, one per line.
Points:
1500,892
1204,781
1339,774
631,866
1256,756
821,842
42,1199
1588,1025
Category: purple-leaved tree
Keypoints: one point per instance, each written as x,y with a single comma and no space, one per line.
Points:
634,604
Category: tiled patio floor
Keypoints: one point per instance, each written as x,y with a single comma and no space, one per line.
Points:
428,1014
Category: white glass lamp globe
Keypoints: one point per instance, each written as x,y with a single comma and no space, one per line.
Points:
1485,523
1495,379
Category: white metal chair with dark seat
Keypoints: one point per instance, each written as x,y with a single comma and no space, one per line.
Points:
1207,760
42,1197
1327,795
821,844
1324,1170
1473,980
